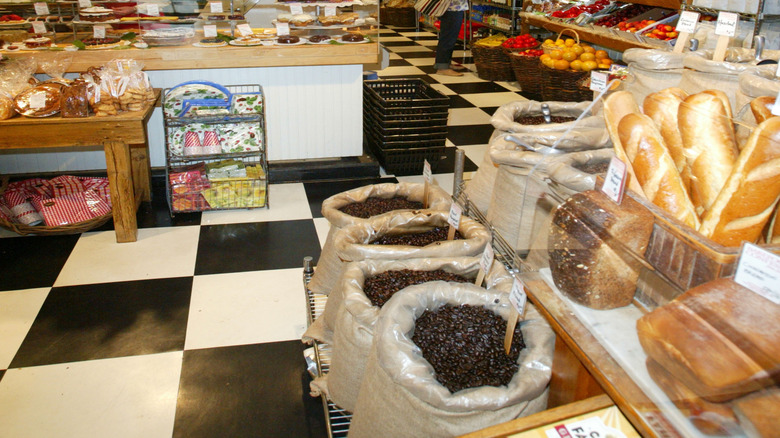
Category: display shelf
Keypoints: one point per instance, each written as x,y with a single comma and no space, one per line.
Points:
599,37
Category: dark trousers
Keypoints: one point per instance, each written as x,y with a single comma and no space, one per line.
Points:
451,22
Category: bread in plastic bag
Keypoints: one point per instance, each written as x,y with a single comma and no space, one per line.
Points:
400,396
325,277
75,100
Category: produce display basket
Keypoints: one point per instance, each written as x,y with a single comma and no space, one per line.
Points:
42,230
492,63
528,73
564,85
547,48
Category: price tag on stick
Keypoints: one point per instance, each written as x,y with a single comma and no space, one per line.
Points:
615,180
296,8
99,32
85,4
38,100
725,29
282,29
330,11
428,177
686,26
759,271
517,298
39,27
209,30
454,220
244,29
216,7
41,8
153,9
484,264
598,81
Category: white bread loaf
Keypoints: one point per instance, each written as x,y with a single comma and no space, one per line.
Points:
762,108
655,169
746,202
773,234
663,107
710,146
617,105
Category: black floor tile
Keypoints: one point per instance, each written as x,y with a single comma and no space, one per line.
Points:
320,191
459,102
429,69
398,43
489,109
2,373
425,78
477,87
106,320
426,54
399,63
447,163
255,246
35,261
463,60
424,38
259,390
404,29
469,134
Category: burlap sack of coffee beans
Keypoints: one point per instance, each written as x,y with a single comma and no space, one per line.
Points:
324,279
400,396
353,243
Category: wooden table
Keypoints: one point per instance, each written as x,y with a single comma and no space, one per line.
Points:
123,138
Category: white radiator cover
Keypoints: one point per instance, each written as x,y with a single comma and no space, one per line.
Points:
311,112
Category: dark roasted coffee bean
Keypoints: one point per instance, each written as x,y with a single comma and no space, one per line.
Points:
437,234
465,346
381,287
593,167
538,120
375,206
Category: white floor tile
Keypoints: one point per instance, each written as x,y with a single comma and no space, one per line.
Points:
383,39
429,43
417,34
322,226
123,397
400,71
468,76
18,309
394,56
492,99
422,61
408,49
467,116
246,308
158,253
287,202
511,86
443,89
475,153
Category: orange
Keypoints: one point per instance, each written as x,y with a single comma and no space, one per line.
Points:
569,55
576,65
577,49
603,66
544,57
561,65
570,42
606,61
588,49
556,54
589,65
587,57
600,54
549,62
549,42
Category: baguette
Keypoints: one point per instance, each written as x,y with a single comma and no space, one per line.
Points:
663,107
751,192
617,105
759,415
773,235
710,146
762,108
655,169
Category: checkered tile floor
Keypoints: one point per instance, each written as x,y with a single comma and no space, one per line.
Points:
193,330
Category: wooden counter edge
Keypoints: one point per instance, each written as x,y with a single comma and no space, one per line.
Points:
539,419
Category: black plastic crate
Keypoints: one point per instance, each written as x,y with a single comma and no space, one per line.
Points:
405,121
408,137
403,142
409,161
404,92
417,112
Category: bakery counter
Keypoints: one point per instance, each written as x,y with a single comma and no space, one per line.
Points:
189,57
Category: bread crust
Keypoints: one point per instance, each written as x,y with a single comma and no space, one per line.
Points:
761,108
616,106
662,107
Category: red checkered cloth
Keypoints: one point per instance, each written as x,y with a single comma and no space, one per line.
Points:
22,210
32,186
65,185
5,211
71,209
99,186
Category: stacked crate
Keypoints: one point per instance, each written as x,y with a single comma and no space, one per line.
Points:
404,123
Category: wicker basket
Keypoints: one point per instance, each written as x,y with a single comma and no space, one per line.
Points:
41,230
400,17
564,85
547,48
492,63
527,70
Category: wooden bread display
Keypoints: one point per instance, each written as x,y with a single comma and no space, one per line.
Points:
719,339
759,415
710,146
655,169
662,107
746,202
589,242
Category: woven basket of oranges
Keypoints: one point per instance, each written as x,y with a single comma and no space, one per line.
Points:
564,69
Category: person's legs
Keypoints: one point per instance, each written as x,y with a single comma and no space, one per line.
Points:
451,22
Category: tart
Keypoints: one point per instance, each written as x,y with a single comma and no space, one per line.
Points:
302,19
100,43
212,42
35,43
352,38
318,38
288,39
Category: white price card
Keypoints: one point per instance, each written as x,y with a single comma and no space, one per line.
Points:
487,258
598,81
687,22
759,271
330,11
615,180
455,213
153,9
209,30
85,4
296,8
727,24
215,7
427,173
99,31
518,297
244,29
42,8
39,27
282,29
38,100
592,427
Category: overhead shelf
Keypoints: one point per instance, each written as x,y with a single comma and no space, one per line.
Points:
591,35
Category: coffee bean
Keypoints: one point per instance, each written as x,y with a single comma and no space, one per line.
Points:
381,287
538,120
465,346
374,206
437,234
